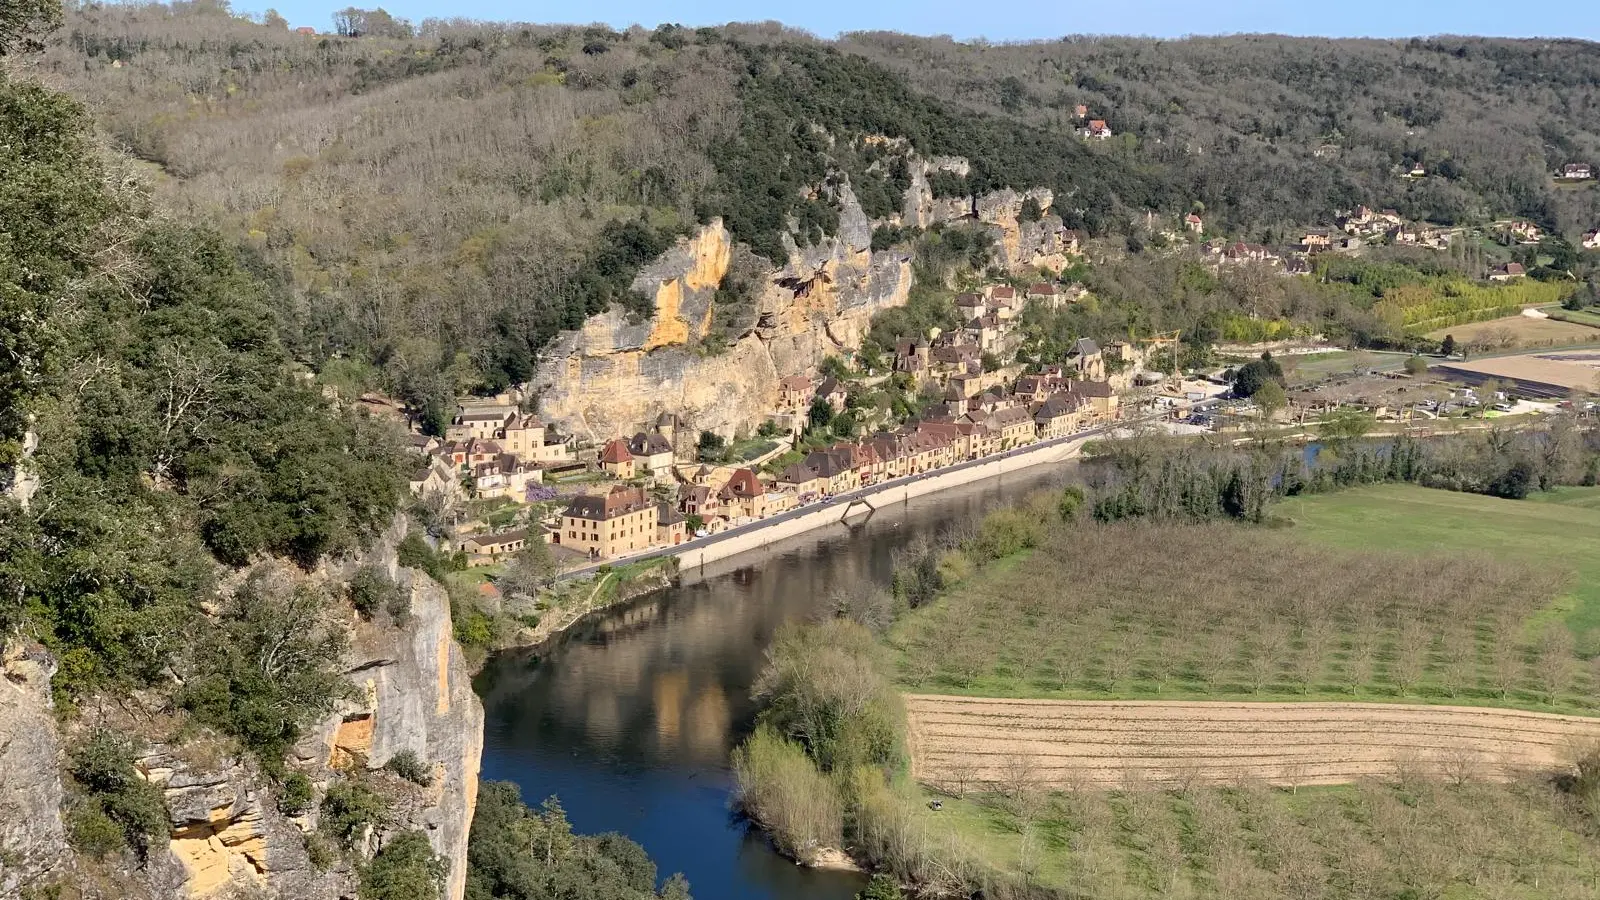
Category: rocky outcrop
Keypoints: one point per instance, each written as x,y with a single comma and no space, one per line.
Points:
412,691
615,377
33,844
228,837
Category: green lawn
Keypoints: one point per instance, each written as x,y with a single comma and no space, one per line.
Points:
1581,317
1560,529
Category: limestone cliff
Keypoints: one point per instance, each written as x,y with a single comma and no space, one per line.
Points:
613,377
411,691
33,845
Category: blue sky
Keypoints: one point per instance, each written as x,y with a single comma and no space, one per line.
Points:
1015,19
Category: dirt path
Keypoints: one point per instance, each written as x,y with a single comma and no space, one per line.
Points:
1065,743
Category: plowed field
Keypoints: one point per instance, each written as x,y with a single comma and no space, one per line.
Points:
1065,743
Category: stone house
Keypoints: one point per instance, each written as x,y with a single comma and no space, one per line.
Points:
671,526
1058,416
617,460
622,520
802,480
652,455
743,496
436,478
1087,360
488,549
1102,401
1014,426
479,421
795,392
833,391
1507,272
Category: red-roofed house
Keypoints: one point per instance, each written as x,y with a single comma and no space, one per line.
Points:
616,460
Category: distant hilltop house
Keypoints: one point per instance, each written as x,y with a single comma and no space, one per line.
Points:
1081,111
1507,272
1097,129
1194,223
1576,172
1417,170
1523,232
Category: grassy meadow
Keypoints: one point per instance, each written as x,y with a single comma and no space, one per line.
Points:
1383,593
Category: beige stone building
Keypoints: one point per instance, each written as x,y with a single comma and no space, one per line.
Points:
622,520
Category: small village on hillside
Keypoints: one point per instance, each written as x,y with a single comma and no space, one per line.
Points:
664,486
505,479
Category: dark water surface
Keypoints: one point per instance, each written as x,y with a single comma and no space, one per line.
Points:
630,716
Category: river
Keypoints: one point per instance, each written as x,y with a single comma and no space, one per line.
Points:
629,716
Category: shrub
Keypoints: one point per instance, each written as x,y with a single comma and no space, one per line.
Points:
405,869
371,590
822,689
92,833
270,667
295,796
118,808
349,808
409,766
781,787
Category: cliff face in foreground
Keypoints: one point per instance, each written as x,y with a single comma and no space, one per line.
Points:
411,691
614,377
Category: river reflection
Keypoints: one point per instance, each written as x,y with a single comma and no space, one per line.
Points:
630,716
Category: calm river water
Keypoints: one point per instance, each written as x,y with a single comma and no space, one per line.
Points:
629,717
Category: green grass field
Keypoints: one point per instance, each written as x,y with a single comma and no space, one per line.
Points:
1581,317
1390,593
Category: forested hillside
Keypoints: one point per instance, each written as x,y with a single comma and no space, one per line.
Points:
446,198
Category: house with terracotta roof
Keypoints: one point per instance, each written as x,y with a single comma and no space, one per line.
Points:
743,496
622,520
977,439
1508,272
1194,223
1097,129
616,459
1002,294
700,500
794,393
1044,290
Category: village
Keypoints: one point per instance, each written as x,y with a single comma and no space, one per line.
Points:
660,487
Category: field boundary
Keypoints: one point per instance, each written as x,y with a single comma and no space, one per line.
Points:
966,742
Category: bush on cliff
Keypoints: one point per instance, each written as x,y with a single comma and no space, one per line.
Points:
115,809
405,869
